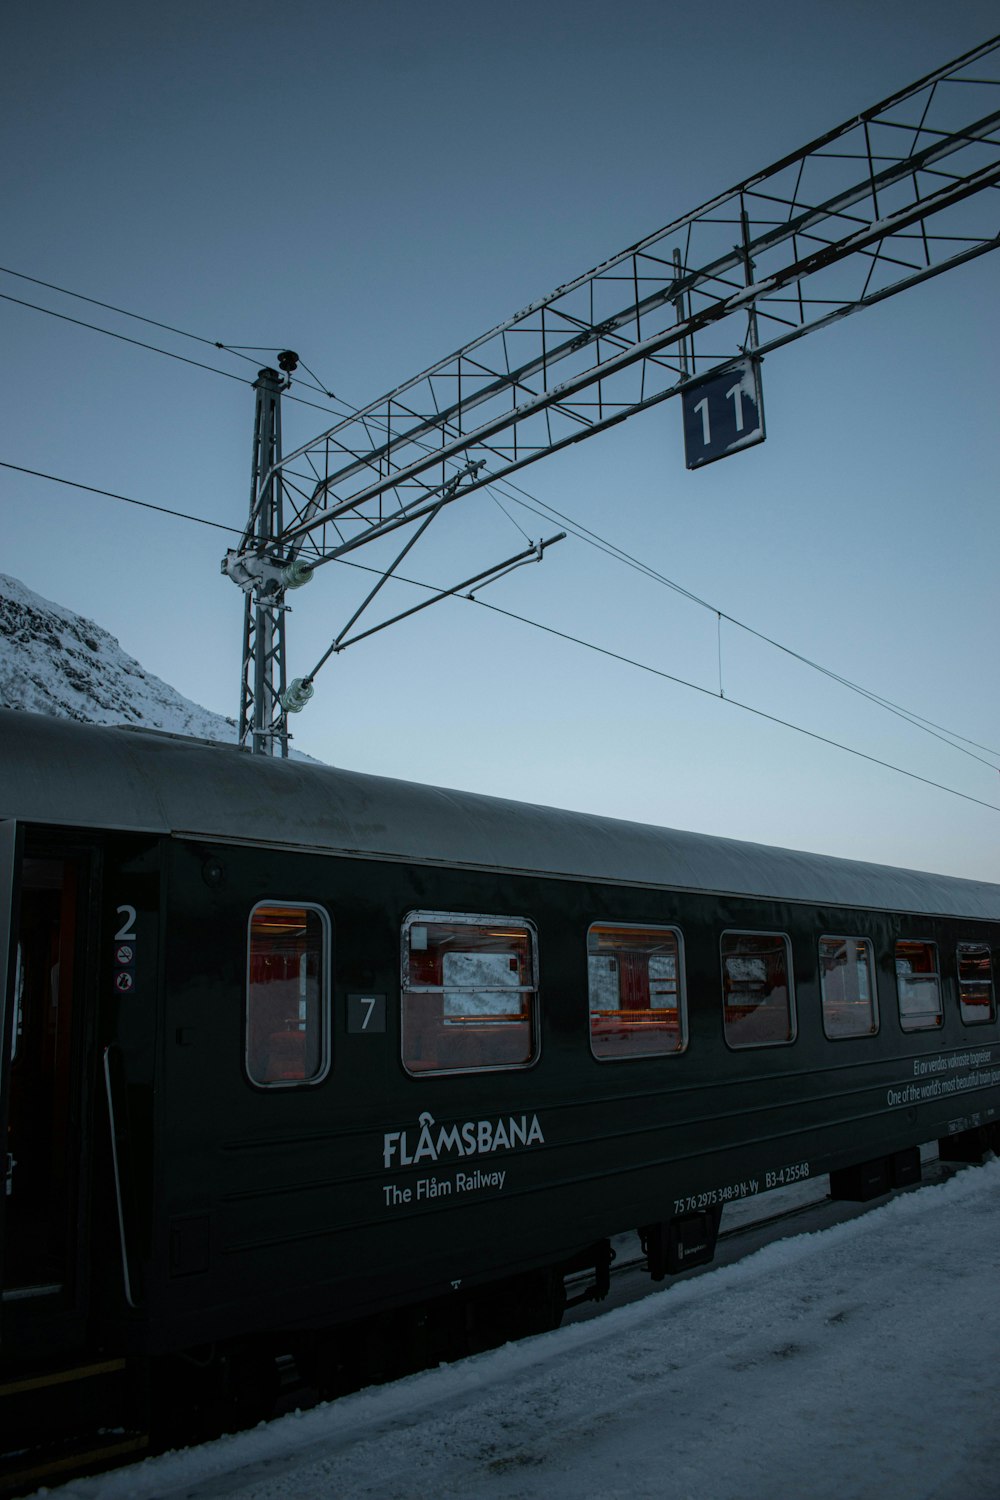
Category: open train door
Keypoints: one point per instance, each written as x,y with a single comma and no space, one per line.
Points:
46,922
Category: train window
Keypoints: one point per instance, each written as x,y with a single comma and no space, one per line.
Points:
288,995
847,985
918,984
758,1008
975,983
636,987
469,993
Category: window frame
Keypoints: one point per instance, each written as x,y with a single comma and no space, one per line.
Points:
325,998
793,1012
425,918
845,937
992,1014
682,1010
937,1025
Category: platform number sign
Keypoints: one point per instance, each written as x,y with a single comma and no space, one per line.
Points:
722,414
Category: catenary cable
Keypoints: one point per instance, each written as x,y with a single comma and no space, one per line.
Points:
733,702
928,726
93,489
417,583
549,630
593,538
239,350
123,338
125,313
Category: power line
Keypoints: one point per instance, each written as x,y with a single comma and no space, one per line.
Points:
125,313
585,534
123,337
238,349
618,554
152,348
128,499
549,630
698,688
734,702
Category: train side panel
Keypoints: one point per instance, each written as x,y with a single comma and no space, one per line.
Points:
371,1188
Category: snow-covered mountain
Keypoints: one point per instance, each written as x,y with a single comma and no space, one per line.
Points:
53,661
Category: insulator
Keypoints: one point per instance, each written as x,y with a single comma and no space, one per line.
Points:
295,697
288,361
296,574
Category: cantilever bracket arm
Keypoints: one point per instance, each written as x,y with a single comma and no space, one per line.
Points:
389,572
499,570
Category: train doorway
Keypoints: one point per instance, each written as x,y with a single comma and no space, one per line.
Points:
46,903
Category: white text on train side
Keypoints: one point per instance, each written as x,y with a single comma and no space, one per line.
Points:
471,1138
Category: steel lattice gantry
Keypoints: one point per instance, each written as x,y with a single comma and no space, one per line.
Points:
901,193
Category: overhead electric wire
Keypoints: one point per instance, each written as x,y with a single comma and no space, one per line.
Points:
551,630
592,538
698,688
152,348
93,489
238,349
125,313
937,731
734,702
139,343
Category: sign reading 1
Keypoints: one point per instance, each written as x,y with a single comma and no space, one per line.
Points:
723,413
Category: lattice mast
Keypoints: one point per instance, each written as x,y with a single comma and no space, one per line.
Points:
258,571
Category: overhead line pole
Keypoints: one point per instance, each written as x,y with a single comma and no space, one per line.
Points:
263,619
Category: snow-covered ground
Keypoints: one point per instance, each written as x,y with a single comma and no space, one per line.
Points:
857,1362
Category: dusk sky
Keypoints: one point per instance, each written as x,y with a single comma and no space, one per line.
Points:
375,184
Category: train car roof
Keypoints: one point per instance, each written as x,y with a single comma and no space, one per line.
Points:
55,771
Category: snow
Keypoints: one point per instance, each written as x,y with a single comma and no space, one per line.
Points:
53,661
853,1363
56,662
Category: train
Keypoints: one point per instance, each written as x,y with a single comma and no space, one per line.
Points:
316,1070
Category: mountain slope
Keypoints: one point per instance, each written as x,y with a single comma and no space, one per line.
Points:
53,661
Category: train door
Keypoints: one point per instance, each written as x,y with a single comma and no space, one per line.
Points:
46,901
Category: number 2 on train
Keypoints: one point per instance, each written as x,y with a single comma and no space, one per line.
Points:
126,932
